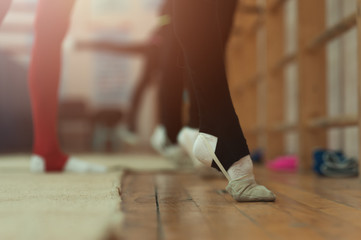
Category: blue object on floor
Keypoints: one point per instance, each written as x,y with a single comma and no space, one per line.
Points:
334,164
257,156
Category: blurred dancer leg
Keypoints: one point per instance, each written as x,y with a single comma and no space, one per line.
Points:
51,25
171,87
151,67
175,79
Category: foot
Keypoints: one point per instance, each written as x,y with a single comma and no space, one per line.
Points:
38,165
127,136
159,139
242,185
164,147
247,190
186,139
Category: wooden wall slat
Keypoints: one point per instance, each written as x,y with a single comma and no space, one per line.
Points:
274,81
249,80
333,32
312,79
242,71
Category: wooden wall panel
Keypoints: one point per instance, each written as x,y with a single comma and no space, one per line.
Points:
312,79
274,81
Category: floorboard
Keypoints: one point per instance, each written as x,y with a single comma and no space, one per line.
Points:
176,205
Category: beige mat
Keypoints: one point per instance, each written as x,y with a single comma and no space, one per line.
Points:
64,206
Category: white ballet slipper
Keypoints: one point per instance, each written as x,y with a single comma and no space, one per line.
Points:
178,156
127,136
164,147
247,190
186,138
37,165
159,139
242,189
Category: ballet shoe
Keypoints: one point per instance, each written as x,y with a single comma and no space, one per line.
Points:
242,189
37,165
178,156
175,153
247,190
127,136
186,139
159,139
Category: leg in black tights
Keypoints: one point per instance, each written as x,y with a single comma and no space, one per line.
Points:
193,120
171,85
202,27
150,68
225,14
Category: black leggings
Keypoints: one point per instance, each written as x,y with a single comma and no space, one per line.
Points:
174,80
168,61
171,86
202,28
147,78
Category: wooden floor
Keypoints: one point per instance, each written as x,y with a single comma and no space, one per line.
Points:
185,206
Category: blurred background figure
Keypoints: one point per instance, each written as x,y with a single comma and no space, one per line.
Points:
51,25
111,78
4,7
95,102
107,79
165,65
15,43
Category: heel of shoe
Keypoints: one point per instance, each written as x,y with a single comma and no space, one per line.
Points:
186,139
204,151
159,139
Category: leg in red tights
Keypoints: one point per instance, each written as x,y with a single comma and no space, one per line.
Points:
51,25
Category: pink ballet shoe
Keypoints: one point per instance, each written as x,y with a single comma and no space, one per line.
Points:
284,164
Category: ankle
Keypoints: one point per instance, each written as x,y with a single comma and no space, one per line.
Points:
54,159
242,169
